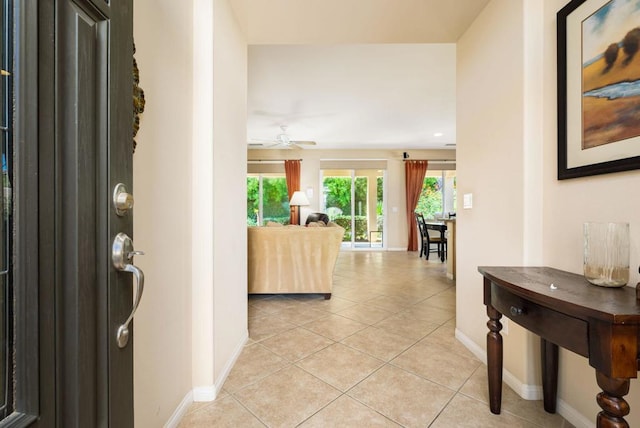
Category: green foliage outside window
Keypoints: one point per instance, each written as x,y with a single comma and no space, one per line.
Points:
430,202
338,204
338,193
253,200
361,227
275,200
379,202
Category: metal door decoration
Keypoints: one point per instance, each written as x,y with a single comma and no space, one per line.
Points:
138,99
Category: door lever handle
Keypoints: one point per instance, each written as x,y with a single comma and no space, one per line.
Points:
122,256
123,330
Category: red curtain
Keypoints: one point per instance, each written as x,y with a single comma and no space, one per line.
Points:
292,171
414,172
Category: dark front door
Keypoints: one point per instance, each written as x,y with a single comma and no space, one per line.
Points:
70,146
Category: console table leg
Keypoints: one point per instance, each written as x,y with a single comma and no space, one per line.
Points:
549,353
494,359
611,401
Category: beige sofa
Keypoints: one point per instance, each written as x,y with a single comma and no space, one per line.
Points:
293,259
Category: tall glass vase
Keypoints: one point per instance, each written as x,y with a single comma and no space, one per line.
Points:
606,254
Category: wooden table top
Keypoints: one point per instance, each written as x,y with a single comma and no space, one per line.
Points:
571,293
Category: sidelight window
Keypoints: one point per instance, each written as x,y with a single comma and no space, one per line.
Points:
6,220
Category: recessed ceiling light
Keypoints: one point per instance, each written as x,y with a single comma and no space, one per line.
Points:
438,134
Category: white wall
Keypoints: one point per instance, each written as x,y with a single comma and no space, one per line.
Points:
162,212
396,228
522,214
202,203
189,178
490,164
567,205
230,189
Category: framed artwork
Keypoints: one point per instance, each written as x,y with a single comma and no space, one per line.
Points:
598,87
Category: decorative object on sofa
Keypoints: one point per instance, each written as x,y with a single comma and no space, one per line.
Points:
292,259
315,217
606,254
299,199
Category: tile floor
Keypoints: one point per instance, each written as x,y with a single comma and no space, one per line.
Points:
381,352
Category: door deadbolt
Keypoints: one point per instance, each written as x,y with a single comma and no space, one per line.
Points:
122,200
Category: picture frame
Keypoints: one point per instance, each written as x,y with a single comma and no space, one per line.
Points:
597,133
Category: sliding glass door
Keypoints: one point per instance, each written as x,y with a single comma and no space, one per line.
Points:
267,199
354,200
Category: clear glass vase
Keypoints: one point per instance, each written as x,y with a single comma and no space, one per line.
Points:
606,254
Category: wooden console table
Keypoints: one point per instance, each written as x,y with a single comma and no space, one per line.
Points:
601,324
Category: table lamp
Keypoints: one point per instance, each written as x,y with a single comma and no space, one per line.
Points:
298,199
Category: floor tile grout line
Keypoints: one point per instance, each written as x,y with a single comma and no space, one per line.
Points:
409,287
365,404
442,409
459,392
249,410
253,382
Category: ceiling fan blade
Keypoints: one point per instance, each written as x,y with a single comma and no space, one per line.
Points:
282,141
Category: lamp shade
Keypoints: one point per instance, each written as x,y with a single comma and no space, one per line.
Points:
299,198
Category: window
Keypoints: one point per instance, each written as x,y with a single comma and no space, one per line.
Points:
438,197
267,199
354,200
6,216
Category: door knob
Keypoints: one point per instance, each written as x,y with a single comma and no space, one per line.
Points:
122,256
122,200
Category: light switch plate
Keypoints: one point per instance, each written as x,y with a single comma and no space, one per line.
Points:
467,201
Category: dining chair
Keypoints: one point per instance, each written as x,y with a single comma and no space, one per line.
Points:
427,241
435,236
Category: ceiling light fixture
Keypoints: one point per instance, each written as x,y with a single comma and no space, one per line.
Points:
438,134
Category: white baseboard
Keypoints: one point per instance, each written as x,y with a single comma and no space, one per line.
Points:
528,392
210,392
206,393
180,411
576,419
471,346
524,390
232,361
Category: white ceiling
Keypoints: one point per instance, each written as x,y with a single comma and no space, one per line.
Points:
354,73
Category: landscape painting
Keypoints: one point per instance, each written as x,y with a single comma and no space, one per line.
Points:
611,74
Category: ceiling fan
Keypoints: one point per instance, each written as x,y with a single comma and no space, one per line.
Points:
282,140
